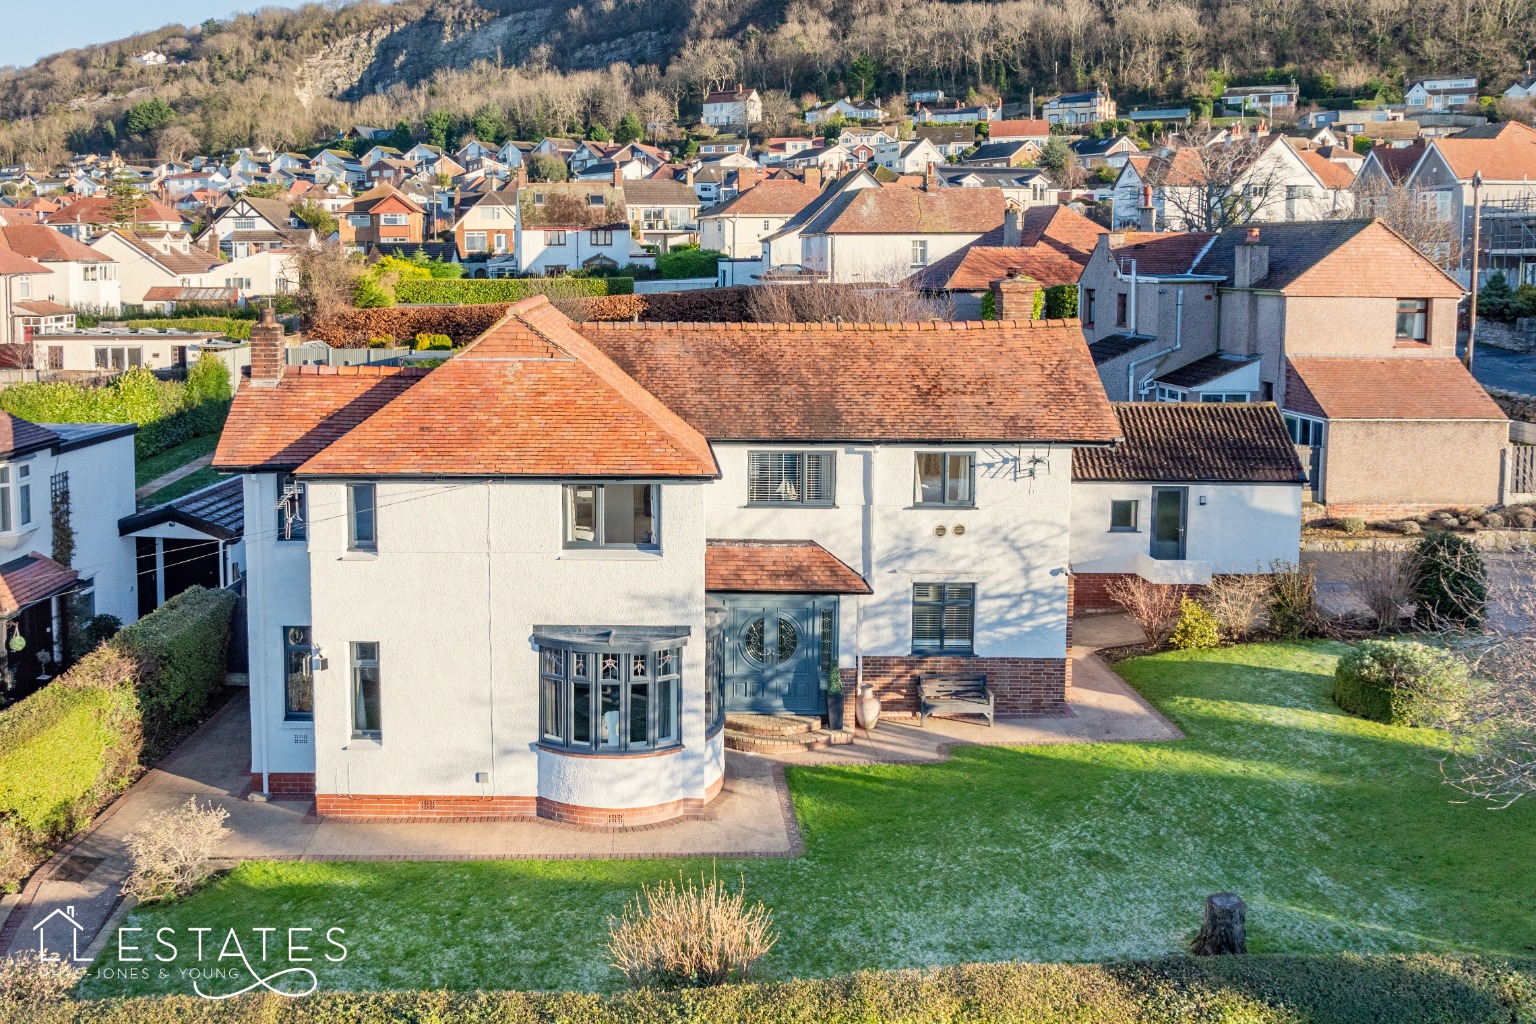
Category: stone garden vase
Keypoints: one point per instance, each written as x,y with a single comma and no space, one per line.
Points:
867,708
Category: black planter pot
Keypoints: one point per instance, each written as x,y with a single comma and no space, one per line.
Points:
835,712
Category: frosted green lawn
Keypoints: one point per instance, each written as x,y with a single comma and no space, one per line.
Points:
1337,831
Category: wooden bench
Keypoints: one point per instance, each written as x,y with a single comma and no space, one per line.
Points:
966,695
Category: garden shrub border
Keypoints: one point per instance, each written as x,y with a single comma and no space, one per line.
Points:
471,291
1264,989
1361,683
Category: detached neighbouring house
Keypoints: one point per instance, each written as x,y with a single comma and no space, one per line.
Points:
382,215
255,225
737,227
727,513
1080,107
570,225
46,593
487,224
82,277
1440,94
726,108
1194,491
885,234
148,261
1343,323
662,211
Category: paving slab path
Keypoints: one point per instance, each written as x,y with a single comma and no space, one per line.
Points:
166,479
752,817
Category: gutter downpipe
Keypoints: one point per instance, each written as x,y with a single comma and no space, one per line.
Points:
1178,343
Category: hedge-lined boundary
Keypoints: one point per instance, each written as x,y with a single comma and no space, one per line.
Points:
67,749
1345,989
168,412
468,291
230,327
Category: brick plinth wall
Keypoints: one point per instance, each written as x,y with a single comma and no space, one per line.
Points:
1090,591
374,806
1021,686
286,785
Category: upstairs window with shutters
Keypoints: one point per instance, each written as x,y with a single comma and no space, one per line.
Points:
790,478
943,618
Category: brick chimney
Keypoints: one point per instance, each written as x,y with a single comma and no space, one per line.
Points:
1146,213
522,175
618,176
1013,225
746,177
1250,261
688,175
1116,239
1015,297
813,177
267,350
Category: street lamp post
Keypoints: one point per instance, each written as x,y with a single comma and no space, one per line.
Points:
1477,244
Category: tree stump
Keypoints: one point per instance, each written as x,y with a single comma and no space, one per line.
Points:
1223,932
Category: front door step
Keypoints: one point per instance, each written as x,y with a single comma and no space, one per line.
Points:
779,734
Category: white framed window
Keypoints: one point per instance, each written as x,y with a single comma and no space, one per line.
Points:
492,213
474,241
24,494
359,220
554,236
604,237
245,223
1304,430
1163,393
791,478
945,479
919,252
394,220
612,516
1224,396
124,357
24,287
367,721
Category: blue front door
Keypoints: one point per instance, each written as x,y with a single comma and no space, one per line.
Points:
777,651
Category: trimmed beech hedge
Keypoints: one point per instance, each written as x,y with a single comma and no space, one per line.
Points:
1345,989
1398,682
231,327
468,291
67,749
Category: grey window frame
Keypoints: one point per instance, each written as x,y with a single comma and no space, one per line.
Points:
304,648
945,602
826,459
599,542
1135,504
566,666
1309,426
355,542
298,528
944,478
358,665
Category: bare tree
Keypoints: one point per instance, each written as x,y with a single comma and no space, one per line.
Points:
1492,756
174,142
1212,181
1413,213
1382,580
327,275
850,303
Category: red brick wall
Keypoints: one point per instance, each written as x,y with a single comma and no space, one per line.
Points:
1021,686
1090,591
286,785
337,805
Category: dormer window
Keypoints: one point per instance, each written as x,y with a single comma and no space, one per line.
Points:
538,199
597,200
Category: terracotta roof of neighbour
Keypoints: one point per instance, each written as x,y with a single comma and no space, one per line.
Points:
311,408
1205,442
1168,252
1393,388
1503,152
1332,174
529,397
778,566
976,266
98,210
377,195
43,307
1004,381
1018,129
1062,228
12,264
31,578
659,192
44,244
18,436
907,211
1340,257
773,198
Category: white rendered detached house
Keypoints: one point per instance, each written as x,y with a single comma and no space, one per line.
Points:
625,531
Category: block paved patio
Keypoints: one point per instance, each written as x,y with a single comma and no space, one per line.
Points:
752,816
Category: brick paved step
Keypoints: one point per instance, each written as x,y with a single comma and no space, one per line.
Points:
757,743
772,725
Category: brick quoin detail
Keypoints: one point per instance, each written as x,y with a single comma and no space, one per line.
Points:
1021,686
286,785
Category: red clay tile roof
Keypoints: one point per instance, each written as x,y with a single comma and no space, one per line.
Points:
1503,152
98,210
769,198
1332,174
1169,252
778,566
909,211
1018,129
1393,388
31,578
44,307
1204,442
42,243
312,407
1360,258
1062,228
529,397
999,381
976,266
18,435
11,264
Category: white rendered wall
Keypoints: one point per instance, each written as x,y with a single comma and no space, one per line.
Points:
1014,548
1240,529
463,573
277,595
100,493
874,257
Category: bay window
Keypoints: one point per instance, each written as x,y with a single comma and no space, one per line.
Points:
610,691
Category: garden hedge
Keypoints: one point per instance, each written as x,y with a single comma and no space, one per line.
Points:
468,291
1344,989
1398,682
167,412
68,748
230,327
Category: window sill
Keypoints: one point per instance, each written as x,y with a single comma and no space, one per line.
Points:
788,504
365,743
925,507
943,654
295,722
617,754
610,554
1122,529
13,538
